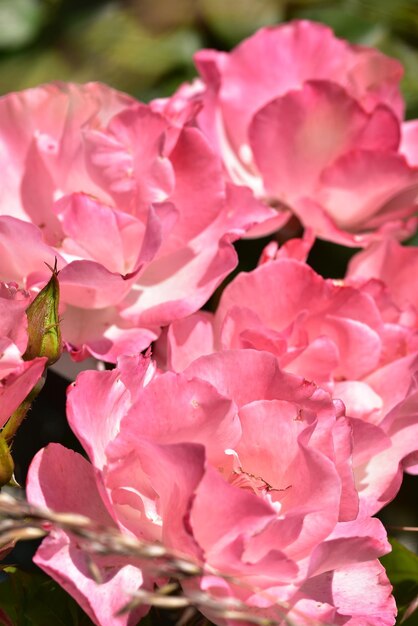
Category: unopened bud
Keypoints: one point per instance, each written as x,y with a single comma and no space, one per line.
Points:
44,333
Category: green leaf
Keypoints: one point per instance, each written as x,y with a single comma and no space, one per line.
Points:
402,569
33,599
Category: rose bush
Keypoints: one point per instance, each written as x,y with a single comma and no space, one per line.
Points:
352,339
313,125
263,437
134,208
248,472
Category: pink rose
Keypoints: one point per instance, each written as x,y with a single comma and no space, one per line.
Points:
353,340
392,269
312,124
134,207
235,464
394,265
17,377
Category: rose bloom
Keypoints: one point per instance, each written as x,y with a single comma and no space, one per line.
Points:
352,339
17,377
313,125
234,464
396,267
134,208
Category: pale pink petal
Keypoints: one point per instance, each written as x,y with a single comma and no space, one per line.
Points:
409,141
391,262
296,465
39,131
350,543
297,249
278,59
183,462
199,415
103,333
128,159
248,375
345,590
13,320
10,357
140,494
23,252
242,328
358,345
277,291
199,189
316,362
17,385
88,227
97,401
365,188
188,339
180,283
295,137
88,284
360,400
242,514
63,481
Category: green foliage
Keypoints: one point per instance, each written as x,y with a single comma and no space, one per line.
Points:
21,21
32,599
402,568
145,47
234,20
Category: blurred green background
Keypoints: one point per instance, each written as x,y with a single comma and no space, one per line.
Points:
145,47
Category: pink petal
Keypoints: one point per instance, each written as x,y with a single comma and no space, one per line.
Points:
88,284
296,136
13,320
350,543
199,186
247,375
97,402
278,59
16,386
362,189
63,481
344,589
242,514
276,291
180,283
302,480
103,334
89,225
360,400
134,172
409,141
199,415
392,263
188,339
23,252
145,502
